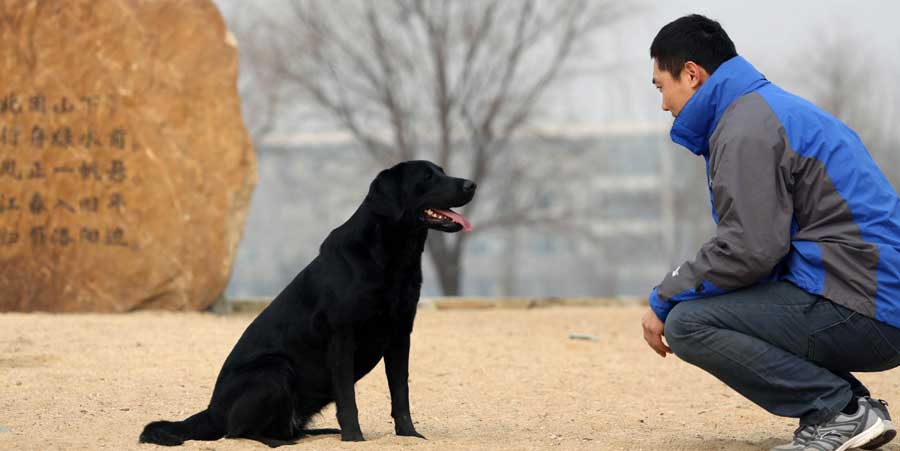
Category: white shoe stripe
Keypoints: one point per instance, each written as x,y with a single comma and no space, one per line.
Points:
865,436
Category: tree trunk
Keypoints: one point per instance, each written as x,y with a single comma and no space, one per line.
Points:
446,261
509,263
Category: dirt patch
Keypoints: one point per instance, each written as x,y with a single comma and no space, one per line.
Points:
479,380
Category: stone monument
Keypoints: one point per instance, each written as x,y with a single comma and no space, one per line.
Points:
125,168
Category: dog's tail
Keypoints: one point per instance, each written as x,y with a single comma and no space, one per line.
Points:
173,433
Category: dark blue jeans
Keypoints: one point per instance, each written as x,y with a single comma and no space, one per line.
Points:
788,351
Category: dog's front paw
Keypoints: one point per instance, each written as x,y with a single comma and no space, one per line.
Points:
409,432
352,436
412,433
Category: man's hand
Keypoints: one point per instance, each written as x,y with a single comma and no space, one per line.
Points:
653,333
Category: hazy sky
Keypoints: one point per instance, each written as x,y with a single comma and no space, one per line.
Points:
771,34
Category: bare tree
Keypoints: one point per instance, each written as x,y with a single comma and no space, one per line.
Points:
845,79
452,81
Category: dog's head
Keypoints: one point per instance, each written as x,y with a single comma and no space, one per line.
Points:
420,192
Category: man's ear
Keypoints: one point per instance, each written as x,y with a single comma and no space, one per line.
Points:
384,194
695,73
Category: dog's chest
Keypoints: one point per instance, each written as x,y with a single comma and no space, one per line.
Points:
393,314
402,284
372,340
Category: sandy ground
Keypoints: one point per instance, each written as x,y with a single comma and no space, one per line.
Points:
480,380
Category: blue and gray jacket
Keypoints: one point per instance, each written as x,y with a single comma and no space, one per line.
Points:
795,197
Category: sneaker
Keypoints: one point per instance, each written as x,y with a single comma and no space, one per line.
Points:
890,431
802,435
849,431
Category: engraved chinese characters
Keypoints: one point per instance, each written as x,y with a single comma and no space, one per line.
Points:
24,161
125,169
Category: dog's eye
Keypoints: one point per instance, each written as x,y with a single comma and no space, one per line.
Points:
428,176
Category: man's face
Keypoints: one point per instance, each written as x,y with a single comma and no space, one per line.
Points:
675,91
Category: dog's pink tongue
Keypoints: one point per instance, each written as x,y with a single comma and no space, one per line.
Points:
457,218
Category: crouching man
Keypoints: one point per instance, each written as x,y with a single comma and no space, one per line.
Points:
800,286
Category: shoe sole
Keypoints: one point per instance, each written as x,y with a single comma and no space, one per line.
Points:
866,437
889,433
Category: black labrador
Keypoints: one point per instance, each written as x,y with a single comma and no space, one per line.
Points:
354,304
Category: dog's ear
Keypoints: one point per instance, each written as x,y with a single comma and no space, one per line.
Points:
384,194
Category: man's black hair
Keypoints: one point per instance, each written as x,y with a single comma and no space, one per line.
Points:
691,38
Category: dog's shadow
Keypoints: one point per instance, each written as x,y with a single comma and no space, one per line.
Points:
324,438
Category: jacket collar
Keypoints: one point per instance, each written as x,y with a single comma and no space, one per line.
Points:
698,119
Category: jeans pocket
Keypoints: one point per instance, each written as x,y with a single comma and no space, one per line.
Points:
852,343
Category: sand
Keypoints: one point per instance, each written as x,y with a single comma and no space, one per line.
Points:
479,380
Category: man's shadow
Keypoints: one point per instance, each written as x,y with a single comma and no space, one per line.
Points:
724,444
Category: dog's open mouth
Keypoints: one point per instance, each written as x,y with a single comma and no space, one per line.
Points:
446,217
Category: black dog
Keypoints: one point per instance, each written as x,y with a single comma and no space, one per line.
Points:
354,304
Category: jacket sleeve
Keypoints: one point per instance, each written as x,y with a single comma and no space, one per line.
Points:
749,177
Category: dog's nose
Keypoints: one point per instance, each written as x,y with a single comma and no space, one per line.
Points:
469,186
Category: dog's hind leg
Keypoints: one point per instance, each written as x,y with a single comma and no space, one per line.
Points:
304,409
257,415
263,410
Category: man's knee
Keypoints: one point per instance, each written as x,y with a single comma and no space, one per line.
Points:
682,328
